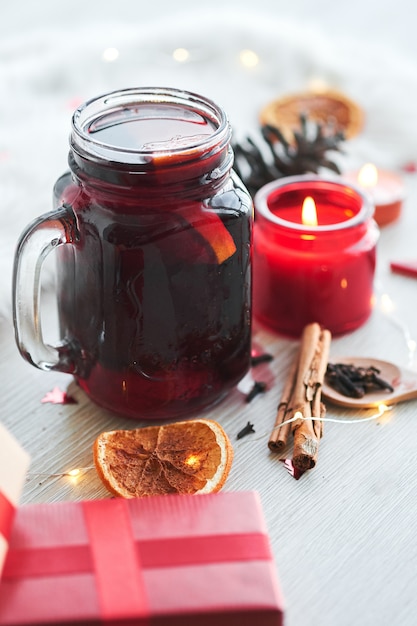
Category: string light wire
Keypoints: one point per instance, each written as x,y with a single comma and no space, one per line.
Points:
388,307
382,409
70,473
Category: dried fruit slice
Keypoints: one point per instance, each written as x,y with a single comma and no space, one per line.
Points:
208,225
213,244
323,105
216,234
183,457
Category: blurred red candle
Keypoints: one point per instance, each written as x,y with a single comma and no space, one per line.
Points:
385,189
314,255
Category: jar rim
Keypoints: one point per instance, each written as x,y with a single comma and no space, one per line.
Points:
365,212
122,100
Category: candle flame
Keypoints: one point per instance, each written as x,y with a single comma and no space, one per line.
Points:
368,175
309,212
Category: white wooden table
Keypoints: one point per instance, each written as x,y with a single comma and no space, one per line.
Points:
344,534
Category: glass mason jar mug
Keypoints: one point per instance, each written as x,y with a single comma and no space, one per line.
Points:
152,236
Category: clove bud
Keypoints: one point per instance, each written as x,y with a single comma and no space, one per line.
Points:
246,430
353,381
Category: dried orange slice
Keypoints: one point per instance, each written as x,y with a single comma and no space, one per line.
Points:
219,238
211,228
183,457
325,106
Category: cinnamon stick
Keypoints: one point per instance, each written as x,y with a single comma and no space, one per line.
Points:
279,435
306,432
302,397
320,363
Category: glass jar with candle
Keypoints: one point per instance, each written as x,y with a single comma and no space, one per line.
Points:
319,268
152,232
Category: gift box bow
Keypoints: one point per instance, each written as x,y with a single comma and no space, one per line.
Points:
116,541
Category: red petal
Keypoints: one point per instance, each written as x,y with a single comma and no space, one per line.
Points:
289,466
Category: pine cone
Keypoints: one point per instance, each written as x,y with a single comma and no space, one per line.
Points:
307,153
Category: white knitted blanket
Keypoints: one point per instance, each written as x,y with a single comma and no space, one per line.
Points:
44,75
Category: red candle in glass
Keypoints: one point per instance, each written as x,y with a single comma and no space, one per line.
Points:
385,188
313,273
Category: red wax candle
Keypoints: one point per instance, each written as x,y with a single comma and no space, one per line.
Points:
385,189
313,273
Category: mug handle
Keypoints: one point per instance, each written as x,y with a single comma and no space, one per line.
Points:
44,234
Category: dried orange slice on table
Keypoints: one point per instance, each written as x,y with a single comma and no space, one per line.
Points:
183,457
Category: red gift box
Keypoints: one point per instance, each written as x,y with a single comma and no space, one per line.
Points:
200,560
14,462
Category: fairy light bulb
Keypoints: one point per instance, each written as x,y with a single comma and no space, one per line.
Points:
193,460
110,54
317,84
75,475
411,345
181,55
383,409
248,58
74,472
387,305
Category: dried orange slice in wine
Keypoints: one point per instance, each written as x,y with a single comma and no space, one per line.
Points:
215,234
187,457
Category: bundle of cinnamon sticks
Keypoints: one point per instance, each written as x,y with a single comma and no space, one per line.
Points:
301,399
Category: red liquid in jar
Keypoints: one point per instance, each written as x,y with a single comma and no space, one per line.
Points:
158,310
144,129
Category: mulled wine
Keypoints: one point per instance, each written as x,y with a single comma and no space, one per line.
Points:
154,274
